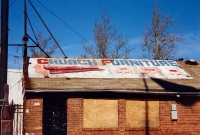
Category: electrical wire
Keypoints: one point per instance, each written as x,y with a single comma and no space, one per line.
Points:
65,24
68,26
16,60
15,56
37,43
13,77
12,3
47,29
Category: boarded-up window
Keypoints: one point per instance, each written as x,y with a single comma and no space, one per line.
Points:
100,113
141,114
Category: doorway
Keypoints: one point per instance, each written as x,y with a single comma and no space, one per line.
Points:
54,116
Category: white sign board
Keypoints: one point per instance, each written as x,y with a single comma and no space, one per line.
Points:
105,68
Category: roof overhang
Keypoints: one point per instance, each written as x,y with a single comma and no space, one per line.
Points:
150,92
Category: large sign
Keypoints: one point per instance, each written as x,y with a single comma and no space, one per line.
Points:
105,68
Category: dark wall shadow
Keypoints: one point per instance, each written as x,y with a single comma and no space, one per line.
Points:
188,95
146,108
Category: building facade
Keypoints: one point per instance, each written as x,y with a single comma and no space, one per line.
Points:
112,97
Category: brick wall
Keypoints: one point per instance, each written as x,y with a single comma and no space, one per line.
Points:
33,117
188,122
74,116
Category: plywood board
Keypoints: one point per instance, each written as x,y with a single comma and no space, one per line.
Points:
142,114
100,113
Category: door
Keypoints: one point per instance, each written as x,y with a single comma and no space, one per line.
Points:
54,116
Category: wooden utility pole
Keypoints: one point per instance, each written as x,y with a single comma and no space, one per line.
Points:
25,40
4,46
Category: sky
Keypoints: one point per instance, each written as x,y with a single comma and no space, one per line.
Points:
130,17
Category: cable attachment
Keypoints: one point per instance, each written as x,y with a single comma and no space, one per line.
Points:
25,38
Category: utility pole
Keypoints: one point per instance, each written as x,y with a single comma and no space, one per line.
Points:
25,40
4,46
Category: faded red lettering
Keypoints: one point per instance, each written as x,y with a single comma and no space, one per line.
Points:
105,62
42,61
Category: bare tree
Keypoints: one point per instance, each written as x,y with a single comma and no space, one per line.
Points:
158,42
108,42
45,44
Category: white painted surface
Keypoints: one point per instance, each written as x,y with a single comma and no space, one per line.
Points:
174,115
14,80
105,68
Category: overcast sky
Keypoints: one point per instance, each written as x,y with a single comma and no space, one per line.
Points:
130,17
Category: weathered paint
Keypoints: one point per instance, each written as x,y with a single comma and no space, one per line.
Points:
105,68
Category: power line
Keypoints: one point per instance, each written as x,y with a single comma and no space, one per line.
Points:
37,44
66,24
12,3
47,29
15,56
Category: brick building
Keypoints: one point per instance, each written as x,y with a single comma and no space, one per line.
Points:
112,97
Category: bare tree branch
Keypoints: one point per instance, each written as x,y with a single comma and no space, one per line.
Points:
158,42
108,42
46,44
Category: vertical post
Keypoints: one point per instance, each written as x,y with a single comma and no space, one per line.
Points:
25,19
6,118
4,46
25,40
